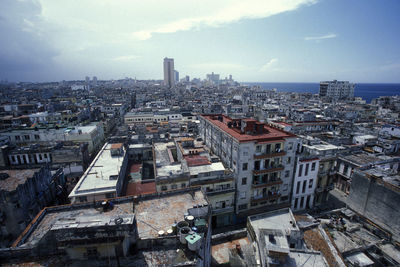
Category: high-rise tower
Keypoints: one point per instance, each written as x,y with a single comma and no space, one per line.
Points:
169,75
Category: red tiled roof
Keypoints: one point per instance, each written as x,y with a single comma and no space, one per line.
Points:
196,160
139,188
269,134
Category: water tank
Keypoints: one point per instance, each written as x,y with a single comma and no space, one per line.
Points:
185,231
190,220
180,225
193,241
160,233
170,231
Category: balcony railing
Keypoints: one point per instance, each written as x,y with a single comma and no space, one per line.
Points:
268,183
222,210
278,167
266,197
213,192
264,155
216,179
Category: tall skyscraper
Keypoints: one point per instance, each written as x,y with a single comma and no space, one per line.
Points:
336,89
169,75
176,76
94,81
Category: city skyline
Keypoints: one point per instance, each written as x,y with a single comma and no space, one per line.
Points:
259,41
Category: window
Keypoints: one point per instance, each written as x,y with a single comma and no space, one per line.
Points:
258,148
268,148
27,137
304,186
242,207
290,146
164,188
17,137
298,187
287,173
300,169
82,199
285,187
244,167
174,186
244,180
40,157
242,195
257,165
278,148
313,166
306,170
301,202
245,153
91,252
288,160
183,185
37,137
296,201
310,183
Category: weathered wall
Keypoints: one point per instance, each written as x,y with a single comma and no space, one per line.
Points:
376,201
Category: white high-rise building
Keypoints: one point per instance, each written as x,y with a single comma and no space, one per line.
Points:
169,72
336,89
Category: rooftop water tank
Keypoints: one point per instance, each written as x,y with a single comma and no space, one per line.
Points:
193,241
185,231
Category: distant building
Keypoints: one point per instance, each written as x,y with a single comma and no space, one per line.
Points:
94,81
169,72
213,78
176,73
336,89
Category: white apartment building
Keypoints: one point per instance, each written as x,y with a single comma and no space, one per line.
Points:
304,183
261,157
104,177
336,89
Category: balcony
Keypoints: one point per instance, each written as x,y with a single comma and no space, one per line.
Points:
213,180
216,211
266,197
257,184
213,192
265,155
270,169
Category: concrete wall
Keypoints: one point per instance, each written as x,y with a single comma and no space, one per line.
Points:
376,201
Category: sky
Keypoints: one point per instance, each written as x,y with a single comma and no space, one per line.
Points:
253,40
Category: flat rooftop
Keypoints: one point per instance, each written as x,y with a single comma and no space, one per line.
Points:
96,178
213,167
15,178
268,134
276,220
158,214
77,216
362,159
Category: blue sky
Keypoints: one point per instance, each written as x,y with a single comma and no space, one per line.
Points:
254,40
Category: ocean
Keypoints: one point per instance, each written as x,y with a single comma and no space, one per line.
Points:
367,91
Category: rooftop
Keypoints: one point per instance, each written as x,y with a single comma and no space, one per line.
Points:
278,220
15,178
158,214
268,132
102,174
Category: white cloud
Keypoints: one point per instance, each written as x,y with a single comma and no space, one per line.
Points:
268,65
216,16
322,37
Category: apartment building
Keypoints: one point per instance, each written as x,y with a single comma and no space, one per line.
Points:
105,176
336,89
262,159
185,162
304,183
